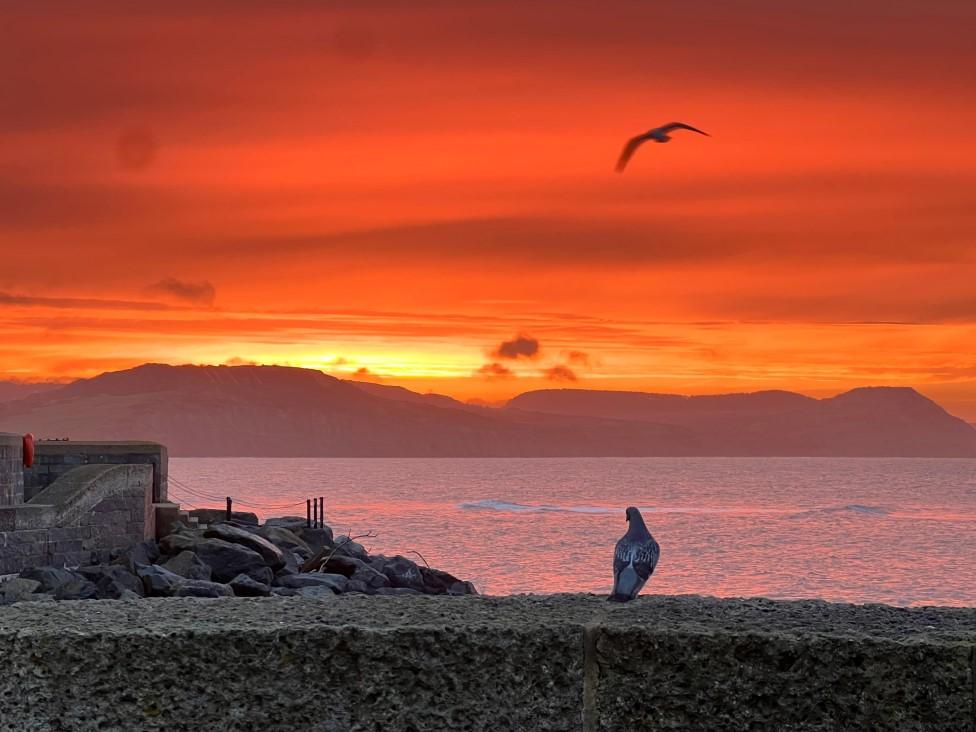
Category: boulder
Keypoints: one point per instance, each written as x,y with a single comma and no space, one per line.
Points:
293,565
370,577
349,548
17,589
264,575
403,572
288,522
226,560
355,586
111,580
158,581
317,539
284,591
462,588
285,540
271,554
146,552
244,586
202,588
129,595
341,564
313,579
398,591
320,591
213,515
189,565
180,541
436,581
76,589
49,578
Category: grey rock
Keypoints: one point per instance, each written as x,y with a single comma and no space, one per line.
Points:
244,586
112,580
288,522
403,572
76,589
264,575
341,564
355,586
17,589
370,577
317,539
189,565
146,552
293,565
462,588
128,595
347,547
397,591
313,579
49,578
180,541
271,554
319,591
284,591
287,541
226,560
437,582
158,581
202,588
213,515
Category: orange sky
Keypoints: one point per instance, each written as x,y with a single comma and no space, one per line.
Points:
401,187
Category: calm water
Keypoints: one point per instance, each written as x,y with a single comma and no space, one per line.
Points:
898,531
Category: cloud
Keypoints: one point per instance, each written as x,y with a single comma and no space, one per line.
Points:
521,346
198,293
495,371
579,358
364,374
238,361
559,372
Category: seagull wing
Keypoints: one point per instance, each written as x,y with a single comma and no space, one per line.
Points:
632,144
681,126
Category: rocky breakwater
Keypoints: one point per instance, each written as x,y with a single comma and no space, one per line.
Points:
237,558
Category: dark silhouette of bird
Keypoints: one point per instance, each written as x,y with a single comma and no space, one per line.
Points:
658,134
634,559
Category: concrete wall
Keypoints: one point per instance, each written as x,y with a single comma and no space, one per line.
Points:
84,515
55,458
11,469
518,664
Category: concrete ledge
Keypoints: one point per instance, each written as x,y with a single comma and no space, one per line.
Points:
569,662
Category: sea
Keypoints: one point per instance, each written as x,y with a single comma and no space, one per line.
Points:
896,531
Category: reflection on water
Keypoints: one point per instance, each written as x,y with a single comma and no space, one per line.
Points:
898,531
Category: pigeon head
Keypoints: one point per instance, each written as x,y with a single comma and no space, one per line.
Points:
637,525
632,513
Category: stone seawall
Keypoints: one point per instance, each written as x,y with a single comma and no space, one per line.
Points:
55,458
567,662
11,469
86,514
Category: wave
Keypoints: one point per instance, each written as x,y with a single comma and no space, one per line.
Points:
848,508
524,507
495,505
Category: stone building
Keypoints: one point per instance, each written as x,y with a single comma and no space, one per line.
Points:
79,501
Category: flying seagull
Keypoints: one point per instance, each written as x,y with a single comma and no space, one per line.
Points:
634,559
658,134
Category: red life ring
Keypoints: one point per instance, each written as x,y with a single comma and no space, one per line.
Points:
28,450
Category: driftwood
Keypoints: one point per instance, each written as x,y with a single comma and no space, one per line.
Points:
318,562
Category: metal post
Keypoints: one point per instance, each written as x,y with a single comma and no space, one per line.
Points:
322,510
308,512
228,507
315,513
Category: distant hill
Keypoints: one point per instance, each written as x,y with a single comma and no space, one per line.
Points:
11,390
882,421
278,411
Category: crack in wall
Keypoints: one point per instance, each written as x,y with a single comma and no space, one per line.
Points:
591,678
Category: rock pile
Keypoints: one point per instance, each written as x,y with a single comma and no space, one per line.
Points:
237,558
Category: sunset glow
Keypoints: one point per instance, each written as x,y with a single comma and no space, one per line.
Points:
391,193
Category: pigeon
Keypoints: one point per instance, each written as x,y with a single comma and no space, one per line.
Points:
658,134
634,559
